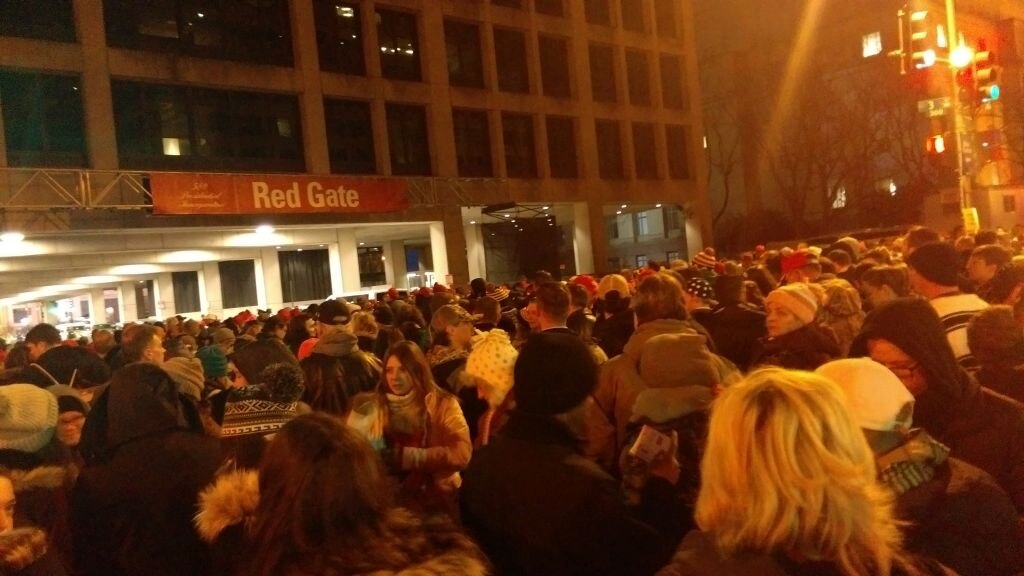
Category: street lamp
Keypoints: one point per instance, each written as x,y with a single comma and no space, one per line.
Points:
962,56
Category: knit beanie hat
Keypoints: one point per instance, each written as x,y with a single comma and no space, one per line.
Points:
187,373
252,359
937,262
704,260
700,288
493,360
264,408
588,283
28,417
224,336
214,361
554,373
798,299
68,399
876,397
796,260
498,292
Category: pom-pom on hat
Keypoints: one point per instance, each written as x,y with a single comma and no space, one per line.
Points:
937,263
28,417
877,398
493,360
554,373
797,299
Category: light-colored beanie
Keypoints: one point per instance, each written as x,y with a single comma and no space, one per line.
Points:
28,417
798,299
187,374
877,398
493,360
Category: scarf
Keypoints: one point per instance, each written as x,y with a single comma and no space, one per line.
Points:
911,464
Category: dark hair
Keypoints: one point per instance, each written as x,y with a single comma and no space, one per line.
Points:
270,325
984,237
659,296
995,338
136,341
17,356
578,295
411,358
478,287
323,490
919,236
553,300
297,332
384,315
325,384
729,289
43,333
489,308
880,254
762,277
582,325
992,254
895,277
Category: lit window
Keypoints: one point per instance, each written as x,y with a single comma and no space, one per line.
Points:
839,202
641,260
872,44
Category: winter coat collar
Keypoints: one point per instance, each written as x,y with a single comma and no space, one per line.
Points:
538,429
229,501
20,548
812,337
39,478
912,463
661,405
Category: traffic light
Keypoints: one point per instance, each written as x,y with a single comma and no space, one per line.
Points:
935,144
986,77
922,45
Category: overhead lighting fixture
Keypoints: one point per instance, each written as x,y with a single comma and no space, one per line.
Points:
12,237
264,229
618,211
277,247
362,243
506,215
658,205
299,250
545,208
623,206
472,221
322,245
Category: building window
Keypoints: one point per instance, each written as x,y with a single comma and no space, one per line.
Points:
562,147
40,19
1009,203
520,154
673,218
602,73
609,150
185,286
246,30
597,12
407,140
665,16
350,137
633,15
639,78
399,45
554,66
673,88
641,260
305,275
641,224
237,283
871,44
43,119
549,7
462,44
671,256
611,227
510,54
644,153
472,143
371,266
177,127
676,142
839,202
339,37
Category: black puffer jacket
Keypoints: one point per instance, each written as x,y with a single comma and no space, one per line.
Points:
802,349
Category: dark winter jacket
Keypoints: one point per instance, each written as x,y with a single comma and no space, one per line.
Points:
1007,380
406,545
697,556
612,332
956,513
805,348
736,329
71,365
145,464
538,507
26,552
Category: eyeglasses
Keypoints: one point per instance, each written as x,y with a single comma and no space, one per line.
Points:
902,369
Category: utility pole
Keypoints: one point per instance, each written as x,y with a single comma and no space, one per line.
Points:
960,123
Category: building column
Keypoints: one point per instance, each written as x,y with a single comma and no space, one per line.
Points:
273,292
349,260
3,137
97,306
164,297
100,136
475,254
399,268
582,241
126,301
311,96
212,302
204,305
334,262
389,258
598,238
433,55
438,251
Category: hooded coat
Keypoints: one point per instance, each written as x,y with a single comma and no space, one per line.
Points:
43,493
406,544
805,348
361,370
71,365
25,552
146,462
979,426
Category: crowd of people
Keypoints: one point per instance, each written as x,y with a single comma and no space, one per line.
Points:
851,409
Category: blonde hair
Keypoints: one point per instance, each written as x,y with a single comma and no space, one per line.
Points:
786,469
364,324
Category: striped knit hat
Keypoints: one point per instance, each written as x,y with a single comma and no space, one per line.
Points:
704,260
798,299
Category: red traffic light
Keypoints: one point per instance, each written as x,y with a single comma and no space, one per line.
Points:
935,144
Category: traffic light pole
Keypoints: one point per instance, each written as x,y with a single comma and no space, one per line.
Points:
959,122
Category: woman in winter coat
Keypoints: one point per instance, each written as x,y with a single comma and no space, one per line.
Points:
418,428
24,551
979,426
788,487
795,338
321,504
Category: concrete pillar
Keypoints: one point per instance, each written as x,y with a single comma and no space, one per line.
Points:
475,253
100,136
213,303
311,96
3,148
582,240
435,73
455,240
164,297
126,300
261,288
97,306
439,251
273,293
598,238
349,264
389,269
204,304
396,263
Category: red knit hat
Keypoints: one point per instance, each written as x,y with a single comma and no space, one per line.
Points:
587,281
794,261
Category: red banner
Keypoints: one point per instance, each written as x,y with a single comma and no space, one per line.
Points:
274,194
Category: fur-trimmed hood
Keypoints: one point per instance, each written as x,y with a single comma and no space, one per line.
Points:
421,547
40,478
20,548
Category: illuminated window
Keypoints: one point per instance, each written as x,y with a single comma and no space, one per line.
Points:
871,44
839,202
641,260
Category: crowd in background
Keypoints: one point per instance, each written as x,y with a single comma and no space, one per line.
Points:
844,409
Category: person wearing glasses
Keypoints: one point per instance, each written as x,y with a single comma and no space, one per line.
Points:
980,426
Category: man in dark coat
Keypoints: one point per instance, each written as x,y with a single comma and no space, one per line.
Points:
734,325
536,505
146,461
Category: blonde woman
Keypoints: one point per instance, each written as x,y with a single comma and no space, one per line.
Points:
788,487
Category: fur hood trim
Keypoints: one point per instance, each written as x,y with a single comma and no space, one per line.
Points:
660,405
41,478
231,499
21,547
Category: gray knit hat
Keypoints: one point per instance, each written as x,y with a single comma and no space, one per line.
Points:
28,417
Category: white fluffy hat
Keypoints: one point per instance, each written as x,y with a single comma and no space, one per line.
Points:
877,398
28,417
